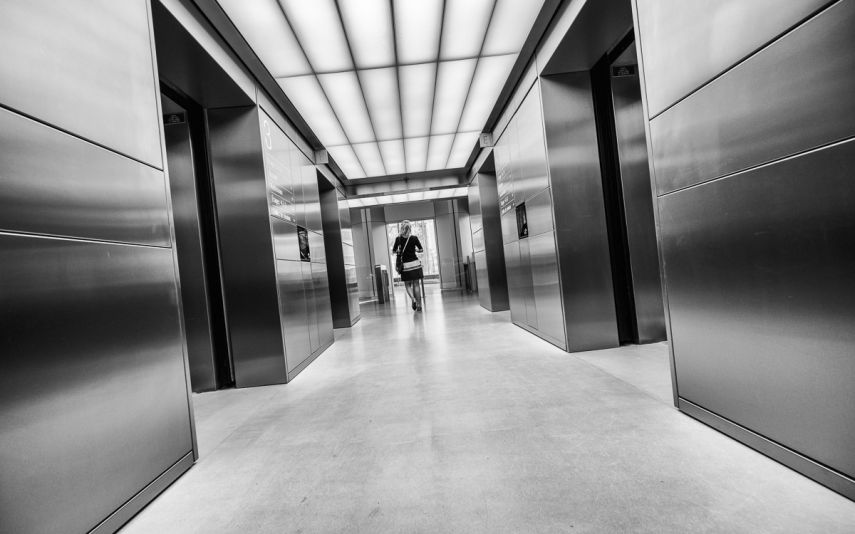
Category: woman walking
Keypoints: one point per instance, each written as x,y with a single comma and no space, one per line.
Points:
408,264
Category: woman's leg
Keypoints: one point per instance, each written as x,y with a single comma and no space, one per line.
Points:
417,291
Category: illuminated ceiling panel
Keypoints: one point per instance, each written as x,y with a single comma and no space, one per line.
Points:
389,86
414,196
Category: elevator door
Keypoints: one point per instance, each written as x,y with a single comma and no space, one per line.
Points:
196,305
637,199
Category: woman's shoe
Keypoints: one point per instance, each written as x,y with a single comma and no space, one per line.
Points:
419,307
414,305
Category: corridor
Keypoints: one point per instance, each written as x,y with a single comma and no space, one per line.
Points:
455,420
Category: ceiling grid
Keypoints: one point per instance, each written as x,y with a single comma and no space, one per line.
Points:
389,87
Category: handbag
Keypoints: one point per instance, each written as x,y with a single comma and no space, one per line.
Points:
412,265
399,263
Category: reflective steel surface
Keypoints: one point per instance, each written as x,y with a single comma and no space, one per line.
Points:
547,291
577,192
792,96
101,87
705,38
638,208
54,183
293,312
759,269
93,398
249,271
188,247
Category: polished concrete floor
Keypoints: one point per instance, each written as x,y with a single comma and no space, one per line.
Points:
454,420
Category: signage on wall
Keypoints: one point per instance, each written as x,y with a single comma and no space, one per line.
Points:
624,70
174,118
282,201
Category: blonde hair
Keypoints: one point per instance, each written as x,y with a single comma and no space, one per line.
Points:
406,228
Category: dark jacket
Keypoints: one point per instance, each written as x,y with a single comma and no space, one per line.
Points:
413,246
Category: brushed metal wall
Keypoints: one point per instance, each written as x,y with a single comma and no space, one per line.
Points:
188,247
487,242
705,39
579,212
637,198
101,87
248,269
753,172
339,257
95,414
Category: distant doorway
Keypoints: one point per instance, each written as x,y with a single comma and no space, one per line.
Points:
425,230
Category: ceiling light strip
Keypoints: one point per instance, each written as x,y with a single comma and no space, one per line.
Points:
413,64
472,81
436,78
397,75
315,74
359,82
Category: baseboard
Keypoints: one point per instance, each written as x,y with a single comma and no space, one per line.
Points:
551,340
826,476
305,363
139,501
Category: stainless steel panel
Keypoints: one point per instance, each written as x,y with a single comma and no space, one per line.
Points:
705,38
539,213
311,198
322,302
248,265
474,195
792,96
285,239
508,222
449,259
93,398
515,294
638,208
531,146
577,192
478,240
337,290
349,254
311,305
527,284
316,247
352,292
759,278
485,297
191,266
54,183
293,312
547,291
492,234
87,71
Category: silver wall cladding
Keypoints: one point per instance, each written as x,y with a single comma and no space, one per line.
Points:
578,208
54,183
705,39
482,276
310,288
759,273
527,284
531,174
515,296
349,254
547,291
792,96
474,195
638,208
93,398
447,245
293,312
539,213
478,240
323,303
101,88
316,247
311,197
